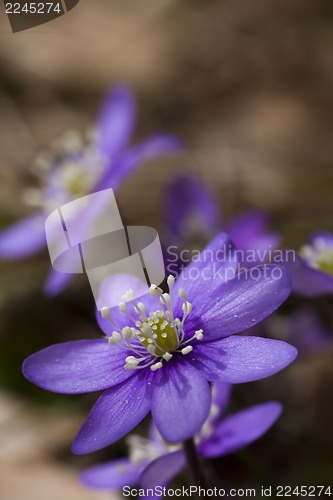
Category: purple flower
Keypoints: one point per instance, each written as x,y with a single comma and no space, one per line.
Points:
312,269
161,352
80,170
302,327
152,462
191,216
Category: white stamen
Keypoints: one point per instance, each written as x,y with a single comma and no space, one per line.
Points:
199,334
182,294
127,333
122,307
167,356
156,366
105,312
187,350
187,307
128,295
151,349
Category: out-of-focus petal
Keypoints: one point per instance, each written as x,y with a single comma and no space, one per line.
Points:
163,469
181,400
23,238
189,206
306,280
116,121
56,282
249,232
116,413
221,396
324,236
306,331
77,367
239,359
111,475
240,429
152,147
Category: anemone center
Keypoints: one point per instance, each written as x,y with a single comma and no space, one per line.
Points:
161,335
325,262
75,180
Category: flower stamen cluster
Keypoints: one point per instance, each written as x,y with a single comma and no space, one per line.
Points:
319,255
157,334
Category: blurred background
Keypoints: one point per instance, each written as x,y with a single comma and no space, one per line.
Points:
247,86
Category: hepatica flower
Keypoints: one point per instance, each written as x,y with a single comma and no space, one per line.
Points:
161,352
192,218
153,462
75,170
312,269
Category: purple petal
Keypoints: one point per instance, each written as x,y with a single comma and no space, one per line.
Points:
116,413
239,359
77,367
24,238
306,280
247,226
241,303
116,121
181,401
111,475
306,330
152,147
215,265
189,204
221,396
239,430
56,282
325,236
163,469
249,232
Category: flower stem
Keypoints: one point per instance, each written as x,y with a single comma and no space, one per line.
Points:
195,469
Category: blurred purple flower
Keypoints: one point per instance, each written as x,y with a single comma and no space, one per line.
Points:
80,170
302,327
161,353
306,331
191,217
152,462
312,269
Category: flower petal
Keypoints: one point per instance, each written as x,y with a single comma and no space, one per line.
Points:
163,469
56,282
77,367
111,475
158,145
23,238
116,121
306,280
306,331
188,202
116,413
215,265
324,236
181,401
249,231
240,429
221,396
242,302
239,359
